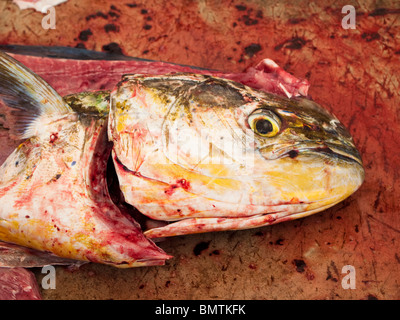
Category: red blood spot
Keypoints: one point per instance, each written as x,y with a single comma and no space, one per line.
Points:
253,266
170,190
3,191
294,200
53,137
182,183
310,276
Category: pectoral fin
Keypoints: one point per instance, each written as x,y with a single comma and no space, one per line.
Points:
34,101
14,256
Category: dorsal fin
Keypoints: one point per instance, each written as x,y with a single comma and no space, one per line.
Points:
32,98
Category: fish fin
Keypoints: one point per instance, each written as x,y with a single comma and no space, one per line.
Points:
15,256
34,101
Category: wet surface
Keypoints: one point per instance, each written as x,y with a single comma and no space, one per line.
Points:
353,72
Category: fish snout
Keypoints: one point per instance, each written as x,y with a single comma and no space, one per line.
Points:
339,142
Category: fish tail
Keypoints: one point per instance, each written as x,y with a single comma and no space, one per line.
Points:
31,98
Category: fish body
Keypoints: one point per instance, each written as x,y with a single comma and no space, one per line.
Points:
197,152
53,188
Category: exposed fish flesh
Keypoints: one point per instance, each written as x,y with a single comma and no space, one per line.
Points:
53,188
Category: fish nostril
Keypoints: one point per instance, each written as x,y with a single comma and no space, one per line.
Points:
329,129
293,153
337,129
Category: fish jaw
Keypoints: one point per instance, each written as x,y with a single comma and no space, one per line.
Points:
190,213
310,165
54,197
301,199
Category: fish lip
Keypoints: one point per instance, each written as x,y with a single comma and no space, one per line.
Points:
340,152
301,214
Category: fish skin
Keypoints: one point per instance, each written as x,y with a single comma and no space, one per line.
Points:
308,166
53,188
200,197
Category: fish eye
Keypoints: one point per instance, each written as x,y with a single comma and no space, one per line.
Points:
264,123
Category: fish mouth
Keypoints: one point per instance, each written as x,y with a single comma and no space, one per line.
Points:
343,151
340,152
212,224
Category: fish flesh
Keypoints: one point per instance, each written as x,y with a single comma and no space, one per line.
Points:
53,188
199,153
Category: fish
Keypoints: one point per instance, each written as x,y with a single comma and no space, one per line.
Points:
209,154
191,152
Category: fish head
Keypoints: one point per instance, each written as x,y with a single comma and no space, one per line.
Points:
196,146
304,152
